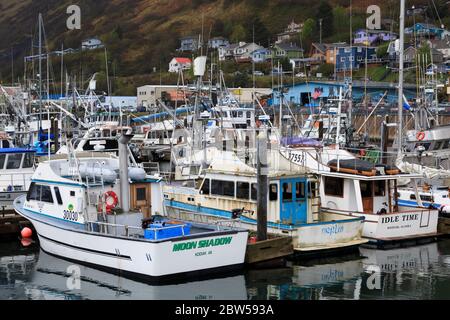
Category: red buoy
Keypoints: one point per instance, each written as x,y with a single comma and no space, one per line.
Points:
26,233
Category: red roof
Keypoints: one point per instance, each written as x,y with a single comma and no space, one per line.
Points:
183,60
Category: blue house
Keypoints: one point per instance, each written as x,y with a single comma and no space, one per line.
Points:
311,94
425,29
353,57
261,55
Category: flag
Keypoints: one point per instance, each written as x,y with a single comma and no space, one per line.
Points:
317,93
406,104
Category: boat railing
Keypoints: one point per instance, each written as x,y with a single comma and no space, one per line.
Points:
15,180
133,231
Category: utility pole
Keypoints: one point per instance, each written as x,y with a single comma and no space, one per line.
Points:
262,172
320,24
400,76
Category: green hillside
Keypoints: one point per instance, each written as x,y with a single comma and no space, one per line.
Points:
142,35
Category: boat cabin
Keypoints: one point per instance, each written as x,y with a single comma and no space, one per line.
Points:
291,197
104,138
16,168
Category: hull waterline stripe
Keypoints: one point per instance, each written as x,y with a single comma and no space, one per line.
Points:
112,255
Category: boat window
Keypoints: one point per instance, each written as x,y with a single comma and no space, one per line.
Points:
141,194
366,189
222,188
58,196
243,190
273,192
300,191
446,143
334,187
254,192
14,161
28,161
2,160
426,198
72,193
46,194
380,188
312,190
438,145
34,192
205,187
412,197
287,192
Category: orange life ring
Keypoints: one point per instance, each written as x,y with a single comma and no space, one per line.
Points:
420,135
111,200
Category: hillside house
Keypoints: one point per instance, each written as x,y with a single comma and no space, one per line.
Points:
190,43
286,50
292,31
441,45
352,57
426,30
243,53
217,42
331,49
227,52
179,64
371,37
91,44
261,55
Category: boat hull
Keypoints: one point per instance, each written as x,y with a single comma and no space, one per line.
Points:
136,256
307,238
396,227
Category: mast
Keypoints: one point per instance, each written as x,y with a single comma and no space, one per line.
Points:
400,76
40,71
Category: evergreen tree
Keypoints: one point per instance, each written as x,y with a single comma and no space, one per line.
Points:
325,12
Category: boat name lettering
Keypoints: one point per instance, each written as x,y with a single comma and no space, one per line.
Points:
202,244
335,229
406,217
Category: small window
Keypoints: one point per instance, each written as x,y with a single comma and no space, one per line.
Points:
300,191
287,192
58,196
34,192
14,161
366,189
426,198
46,194
141,194
28,161
243,190
334,187
222,188
254,194
205,187
273,192
380,188
72,193
412,197
2,160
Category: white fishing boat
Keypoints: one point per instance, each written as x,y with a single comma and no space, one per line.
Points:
83,210
16,169
357,188
431,196
228,190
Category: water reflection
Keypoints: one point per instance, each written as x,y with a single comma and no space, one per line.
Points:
421,272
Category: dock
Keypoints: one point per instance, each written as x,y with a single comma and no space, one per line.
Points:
11,224
268,251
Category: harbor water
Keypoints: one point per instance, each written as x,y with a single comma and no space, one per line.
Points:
420,272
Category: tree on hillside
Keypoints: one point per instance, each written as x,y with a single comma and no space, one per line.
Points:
325,12
261,33
239,33
307,35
